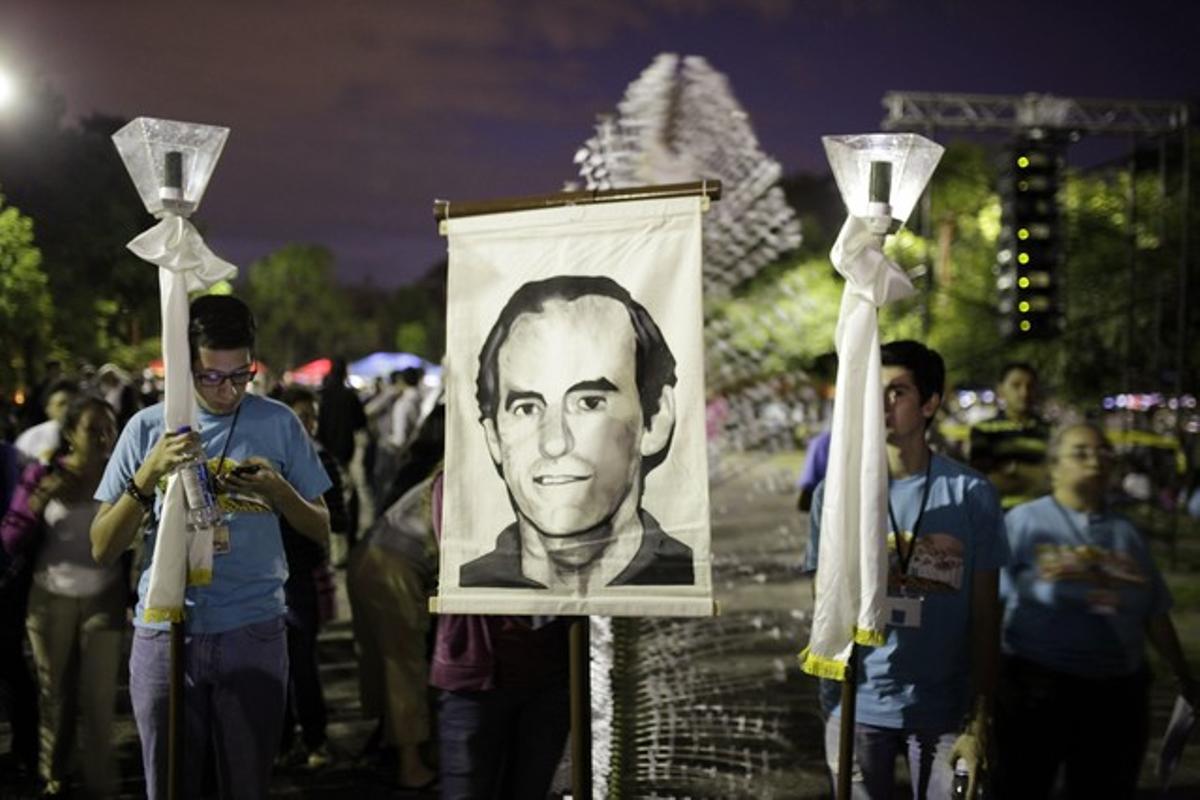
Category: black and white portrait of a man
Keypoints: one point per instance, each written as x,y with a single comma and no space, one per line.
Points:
576,393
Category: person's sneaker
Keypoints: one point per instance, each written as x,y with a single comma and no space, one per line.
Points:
318,757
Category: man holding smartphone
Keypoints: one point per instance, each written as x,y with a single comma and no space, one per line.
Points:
236,646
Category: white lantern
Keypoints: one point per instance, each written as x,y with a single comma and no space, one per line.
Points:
170,162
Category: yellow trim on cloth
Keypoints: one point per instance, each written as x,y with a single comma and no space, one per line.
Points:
869,637
199,577
820,666
163,615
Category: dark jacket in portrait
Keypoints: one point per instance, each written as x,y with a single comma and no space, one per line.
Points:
661,560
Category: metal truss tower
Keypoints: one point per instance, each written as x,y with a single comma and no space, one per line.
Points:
1033,115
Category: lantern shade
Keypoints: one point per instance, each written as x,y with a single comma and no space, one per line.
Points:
170,183
912,159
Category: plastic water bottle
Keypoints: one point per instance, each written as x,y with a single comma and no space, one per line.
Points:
962,779
202,511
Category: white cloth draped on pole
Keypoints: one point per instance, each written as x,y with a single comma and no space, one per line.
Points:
185,264
853,560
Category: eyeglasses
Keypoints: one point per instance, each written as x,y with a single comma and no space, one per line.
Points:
1102,454
215,377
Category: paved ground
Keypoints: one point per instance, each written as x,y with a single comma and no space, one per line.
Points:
771,749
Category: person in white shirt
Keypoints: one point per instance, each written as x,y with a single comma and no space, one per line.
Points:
41,440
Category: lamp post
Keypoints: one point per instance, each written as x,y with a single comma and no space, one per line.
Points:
880,178
170,164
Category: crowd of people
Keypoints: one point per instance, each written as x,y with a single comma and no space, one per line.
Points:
84,472
1019,605
1019,602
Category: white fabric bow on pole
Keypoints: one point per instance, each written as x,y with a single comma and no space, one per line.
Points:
852,559
185,264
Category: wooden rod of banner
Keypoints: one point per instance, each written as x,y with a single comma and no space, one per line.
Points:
581,709
846,729
444,210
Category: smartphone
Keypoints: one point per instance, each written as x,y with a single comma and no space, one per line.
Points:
247,469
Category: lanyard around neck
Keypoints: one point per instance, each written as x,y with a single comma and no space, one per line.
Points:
906,557
1080,533
232,427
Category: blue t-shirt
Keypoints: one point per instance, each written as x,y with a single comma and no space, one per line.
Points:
247,582
1079,590
919,679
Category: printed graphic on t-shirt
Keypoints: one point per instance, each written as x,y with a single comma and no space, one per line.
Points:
1057,562
936,564
231,501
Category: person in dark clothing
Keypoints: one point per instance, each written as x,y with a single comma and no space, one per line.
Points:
1010,448
18,692
504,699
306,561
340,418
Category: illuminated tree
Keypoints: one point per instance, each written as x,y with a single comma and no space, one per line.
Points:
25,308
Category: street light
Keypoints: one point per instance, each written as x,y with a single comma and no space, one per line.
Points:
8,89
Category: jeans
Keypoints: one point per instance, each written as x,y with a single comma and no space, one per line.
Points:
875,752
234,694
502,743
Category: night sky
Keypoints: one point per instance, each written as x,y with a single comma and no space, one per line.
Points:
349,118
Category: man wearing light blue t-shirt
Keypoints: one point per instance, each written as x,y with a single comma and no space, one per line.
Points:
264,467
926,693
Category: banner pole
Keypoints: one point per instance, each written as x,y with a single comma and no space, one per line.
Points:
175,716
581,710
444,210
846,729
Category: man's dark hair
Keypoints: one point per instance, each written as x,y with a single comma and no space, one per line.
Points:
220,322
1024,366
297,394
655,366
927,367
69,387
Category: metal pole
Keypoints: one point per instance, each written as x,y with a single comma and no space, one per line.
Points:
1181,310
846,729
581,711
175,716
1130,315
1184,218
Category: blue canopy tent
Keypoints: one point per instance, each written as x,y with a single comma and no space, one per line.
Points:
383,364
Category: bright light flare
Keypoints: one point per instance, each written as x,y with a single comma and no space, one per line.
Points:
8,89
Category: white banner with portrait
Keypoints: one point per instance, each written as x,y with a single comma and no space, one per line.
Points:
576,470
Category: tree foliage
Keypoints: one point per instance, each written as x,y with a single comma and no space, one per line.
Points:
300,312
1118,285
25,308
69,179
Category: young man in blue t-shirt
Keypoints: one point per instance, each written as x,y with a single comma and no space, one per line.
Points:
926,693
265,467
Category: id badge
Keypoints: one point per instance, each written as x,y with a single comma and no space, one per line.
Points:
221,544
1103,602
903,612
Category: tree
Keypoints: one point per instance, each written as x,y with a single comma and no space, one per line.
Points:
25,307
70,181
301,313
